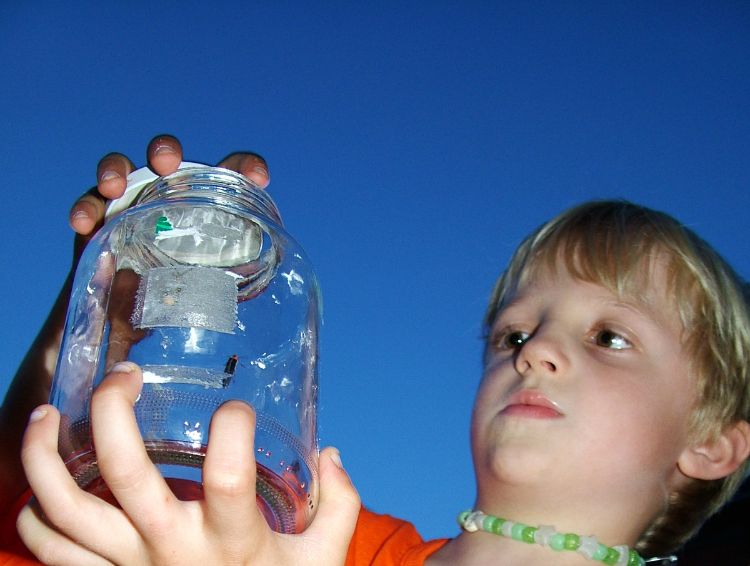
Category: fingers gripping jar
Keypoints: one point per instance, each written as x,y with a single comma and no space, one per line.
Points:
199,284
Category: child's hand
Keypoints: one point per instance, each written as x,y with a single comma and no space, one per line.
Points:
70,526
164,155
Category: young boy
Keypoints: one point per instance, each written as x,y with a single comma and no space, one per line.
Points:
615,393
614,403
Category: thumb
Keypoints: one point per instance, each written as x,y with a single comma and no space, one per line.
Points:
338,508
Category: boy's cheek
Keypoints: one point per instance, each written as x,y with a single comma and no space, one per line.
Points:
496,378
478,441
484,395
492,355
489,399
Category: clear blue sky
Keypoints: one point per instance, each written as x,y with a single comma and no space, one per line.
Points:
411,146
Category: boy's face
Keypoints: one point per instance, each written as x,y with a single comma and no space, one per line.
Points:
584,394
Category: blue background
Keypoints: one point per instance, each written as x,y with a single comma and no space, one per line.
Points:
411,145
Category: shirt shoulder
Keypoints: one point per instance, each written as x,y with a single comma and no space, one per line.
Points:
383,540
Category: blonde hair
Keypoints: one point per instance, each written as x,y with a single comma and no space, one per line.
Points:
613,243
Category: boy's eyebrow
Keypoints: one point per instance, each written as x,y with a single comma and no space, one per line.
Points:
513,303
645,309
641,308
634,308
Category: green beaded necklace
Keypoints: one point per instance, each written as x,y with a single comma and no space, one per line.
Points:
588,547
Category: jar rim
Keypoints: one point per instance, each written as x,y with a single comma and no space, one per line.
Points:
145,186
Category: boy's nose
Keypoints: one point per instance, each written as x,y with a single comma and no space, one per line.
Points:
541,353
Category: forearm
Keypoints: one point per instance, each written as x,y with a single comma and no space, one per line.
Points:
30,387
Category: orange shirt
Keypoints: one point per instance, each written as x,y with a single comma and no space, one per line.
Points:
10,559
12,550
382,540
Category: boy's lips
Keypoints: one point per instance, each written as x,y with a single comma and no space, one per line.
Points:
531,403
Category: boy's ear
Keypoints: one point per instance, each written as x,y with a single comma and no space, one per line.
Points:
717,458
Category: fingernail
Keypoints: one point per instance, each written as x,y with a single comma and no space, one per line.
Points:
163,148
336,458
123,367
37,414
261,170
108,174
79,215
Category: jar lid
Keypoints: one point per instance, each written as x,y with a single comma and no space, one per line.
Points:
137,181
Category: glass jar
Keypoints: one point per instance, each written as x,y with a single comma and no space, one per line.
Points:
199,284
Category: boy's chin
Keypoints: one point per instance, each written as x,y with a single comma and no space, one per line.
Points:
525,467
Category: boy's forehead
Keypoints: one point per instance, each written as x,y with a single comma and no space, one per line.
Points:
647,292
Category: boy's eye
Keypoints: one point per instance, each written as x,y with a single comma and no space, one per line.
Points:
513,340
612,340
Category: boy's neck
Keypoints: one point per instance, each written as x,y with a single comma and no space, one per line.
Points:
614,518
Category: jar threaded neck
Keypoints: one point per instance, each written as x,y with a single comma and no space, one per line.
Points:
214,183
